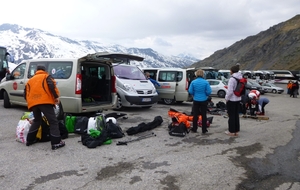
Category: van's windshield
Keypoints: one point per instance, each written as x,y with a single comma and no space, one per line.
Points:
129,72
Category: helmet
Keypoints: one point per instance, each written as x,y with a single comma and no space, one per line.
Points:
254,94
113,120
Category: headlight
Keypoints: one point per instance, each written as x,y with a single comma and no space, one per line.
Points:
153,90
129,88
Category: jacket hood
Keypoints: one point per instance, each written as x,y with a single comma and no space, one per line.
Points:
237,75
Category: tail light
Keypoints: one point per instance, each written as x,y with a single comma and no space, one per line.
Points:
186,84
78,88
226,86
113,84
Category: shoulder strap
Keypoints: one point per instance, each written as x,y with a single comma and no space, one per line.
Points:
235,78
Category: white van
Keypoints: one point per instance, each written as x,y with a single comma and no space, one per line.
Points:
133,89
174,83
87,84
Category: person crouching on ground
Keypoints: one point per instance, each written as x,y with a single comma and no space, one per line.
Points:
262,102
200,90
41,95
233,103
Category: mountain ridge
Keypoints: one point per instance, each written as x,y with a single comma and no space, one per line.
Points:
275,48
28,43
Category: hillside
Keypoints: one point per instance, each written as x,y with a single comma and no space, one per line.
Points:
276,48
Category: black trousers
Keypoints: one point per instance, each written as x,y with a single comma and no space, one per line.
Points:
233,116
199,108
48,112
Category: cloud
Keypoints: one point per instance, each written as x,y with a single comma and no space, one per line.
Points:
167,26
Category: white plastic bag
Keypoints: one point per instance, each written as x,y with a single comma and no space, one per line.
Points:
22,130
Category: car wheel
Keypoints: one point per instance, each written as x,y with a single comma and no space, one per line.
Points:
274,91
168,101
221,94
119,104
6,102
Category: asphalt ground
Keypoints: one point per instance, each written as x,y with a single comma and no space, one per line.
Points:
265,155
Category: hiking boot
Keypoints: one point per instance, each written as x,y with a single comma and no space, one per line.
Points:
59,145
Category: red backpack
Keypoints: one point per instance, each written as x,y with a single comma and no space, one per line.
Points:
240,86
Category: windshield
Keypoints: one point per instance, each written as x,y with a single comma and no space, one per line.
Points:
129,72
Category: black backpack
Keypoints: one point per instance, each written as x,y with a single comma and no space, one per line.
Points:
177,129
114,130
221,105
81,123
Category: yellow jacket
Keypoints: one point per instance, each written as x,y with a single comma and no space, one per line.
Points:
40,89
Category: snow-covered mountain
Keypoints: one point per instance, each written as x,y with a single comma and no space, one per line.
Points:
27,43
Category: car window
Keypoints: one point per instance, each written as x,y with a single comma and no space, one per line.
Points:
129,72
58,70
167,76
214,82
19,71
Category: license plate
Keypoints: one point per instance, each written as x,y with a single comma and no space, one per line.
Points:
146,99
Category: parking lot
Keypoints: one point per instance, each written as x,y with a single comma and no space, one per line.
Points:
264,156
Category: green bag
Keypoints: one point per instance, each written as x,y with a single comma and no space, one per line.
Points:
70,123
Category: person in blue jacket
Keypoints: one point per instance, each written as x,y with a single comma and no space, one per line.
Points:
200,90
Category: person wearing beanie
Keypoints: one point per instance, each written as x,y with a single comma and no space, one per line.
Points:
41,95
233,102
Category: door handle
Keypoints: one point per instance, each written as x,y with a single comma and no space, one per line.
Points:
21,82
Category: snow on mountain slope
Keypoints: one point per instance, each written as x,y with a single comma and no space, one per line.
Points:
27,43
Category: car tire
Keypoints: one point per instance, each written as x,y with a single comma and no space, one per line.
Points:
168,101
274,91
6,102
221,94
119,104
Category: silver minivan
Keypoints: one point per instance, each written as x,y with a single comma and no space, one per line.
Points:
87,84
174,83
133,89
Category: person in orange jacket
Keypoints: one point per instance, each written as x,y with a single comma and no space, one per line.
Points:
289,87
42,95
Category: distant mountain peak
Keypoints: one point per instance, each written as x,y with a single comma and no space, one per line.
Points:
27,43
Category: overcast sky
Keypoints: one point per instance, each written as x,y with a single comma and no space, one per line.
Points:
171,27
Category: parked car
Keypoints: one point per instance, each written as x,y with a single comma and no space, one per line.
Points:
270,87
174,83
133,89
218,87
252,85
86,84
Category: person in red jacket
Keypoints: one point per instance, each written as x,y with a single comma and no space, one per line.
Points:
42,95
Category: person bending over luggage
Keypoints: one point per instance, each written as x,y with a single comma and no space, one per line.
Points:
41,95
262,102
200,90
252,104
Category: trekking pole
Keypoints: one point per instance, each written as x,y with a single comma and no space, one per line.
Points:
137,139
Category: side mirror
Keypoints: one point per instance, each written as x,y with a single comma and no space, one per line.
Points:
9,77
